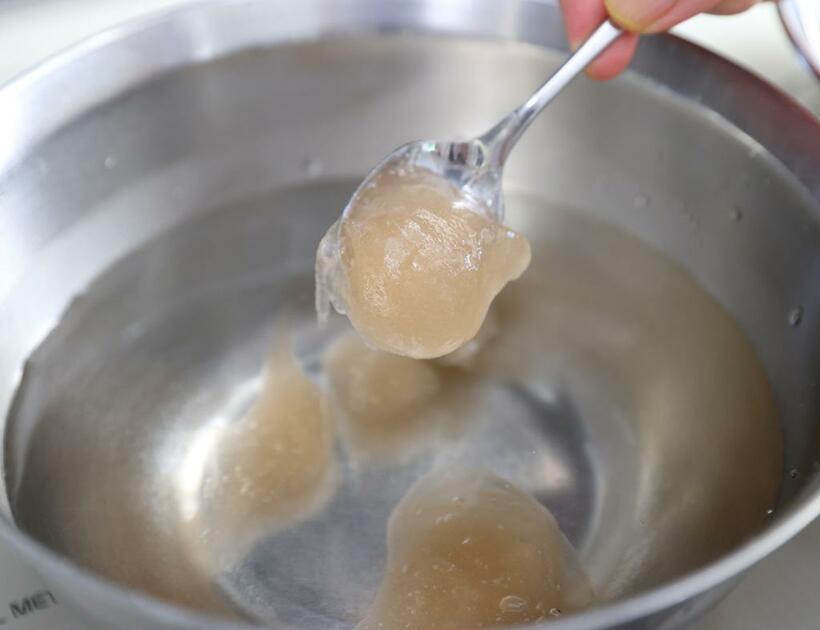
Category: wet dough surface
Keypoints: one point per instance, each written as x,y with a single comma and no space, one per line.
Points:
271,468
415,265
470,550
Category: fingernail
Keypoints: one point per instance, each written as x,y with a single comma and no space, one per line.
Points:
637,15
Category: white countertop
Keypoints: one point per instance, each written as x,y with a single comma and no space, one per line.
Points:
779,593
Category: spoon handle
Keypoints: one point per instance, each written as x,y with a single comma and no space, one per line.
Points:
501,138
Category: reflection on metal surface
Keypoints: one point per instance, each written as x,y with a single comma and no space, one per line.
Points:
192,471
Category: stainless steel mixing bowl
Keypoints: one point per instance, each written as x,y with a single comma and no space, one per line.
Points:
151,229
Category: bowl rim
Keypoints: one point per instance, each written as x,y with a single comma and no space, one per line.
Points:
784,128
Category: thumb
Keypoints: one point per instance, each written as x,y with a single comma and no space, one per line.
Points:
652,16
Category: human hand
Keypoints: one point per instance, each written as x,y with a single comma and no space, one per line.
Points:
581,17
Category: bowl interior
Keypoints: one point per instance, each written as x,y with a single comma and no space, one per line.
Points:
652,383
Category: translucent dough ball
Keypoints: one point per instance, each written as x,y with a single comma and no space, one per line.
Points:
415,266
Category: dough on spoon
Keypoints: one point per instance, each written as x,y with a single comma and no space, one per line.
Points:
470,550
415,265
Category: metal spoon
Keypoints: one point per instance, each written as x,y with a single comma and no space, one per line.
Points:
475,166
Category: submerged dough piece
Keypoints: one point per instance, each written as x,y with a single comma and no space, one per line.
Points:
389,405
381,395
271,468
470,550
282,451
415,265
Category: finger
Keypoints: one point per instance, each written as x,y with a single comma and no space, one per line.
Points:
730,7
581,18
615,60
652,16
